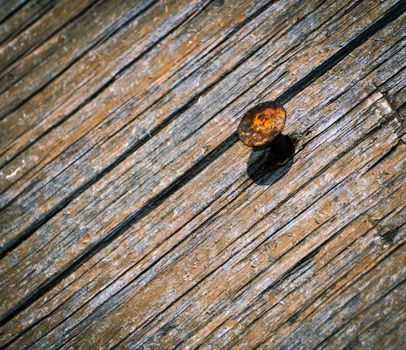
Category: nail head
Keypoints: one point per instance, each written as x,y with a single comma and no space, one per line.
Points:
261,124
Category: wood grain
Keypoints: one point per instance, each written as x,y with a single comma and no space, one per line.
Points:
132,217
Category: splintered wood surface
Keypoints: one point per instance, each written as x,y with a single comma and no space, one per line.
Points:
131,215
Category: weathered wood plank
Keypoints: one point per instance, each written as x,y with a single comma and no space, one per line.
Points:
224,312
136,81
372,289
359,250
20,215
114,146
218,294
63,48
50,250
387,135
28,75
19,21
180,240
9,7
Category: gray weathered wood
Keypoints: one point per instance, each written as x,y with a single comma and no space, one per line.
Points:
150,226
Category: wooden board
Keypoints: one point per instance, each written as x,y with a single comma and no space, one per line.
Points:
131,215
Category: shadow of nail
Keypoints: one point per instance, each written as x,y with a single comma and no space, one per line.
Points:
267,165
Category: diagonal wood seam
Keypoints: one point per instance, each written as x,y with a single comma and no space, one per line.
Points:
142,141
13,11
303,261
27,232
294,268
93,45
392,14
298,265
282,278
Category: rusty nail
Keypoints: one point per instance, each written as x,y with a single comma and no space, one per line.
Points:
262,124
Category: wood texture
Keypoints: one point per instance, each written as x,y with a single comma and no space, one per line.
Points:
132,217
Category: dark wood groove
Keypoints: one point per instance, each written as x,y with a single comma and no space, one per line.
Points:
324,292
8,247
12,12
368,307
299,264
4,70
358,278
75,59
306,252
294,269
154,202
37,17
